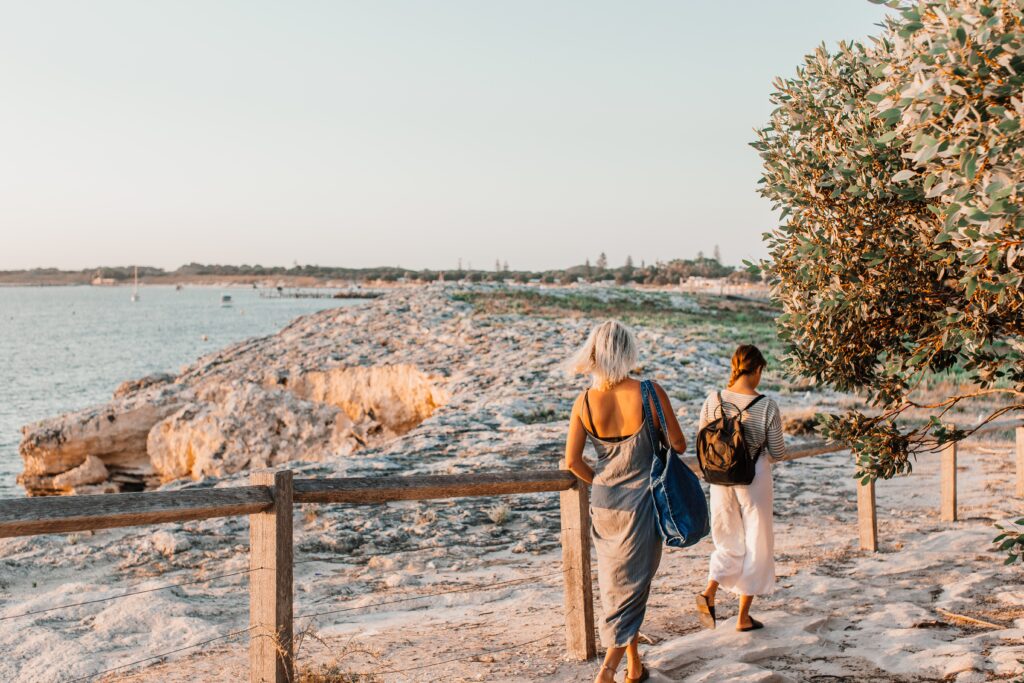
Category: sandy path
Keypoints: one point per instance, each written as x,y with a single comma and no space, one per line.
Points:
839,613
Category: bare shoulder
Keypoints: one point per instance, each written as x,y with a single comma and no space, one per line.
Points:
576,406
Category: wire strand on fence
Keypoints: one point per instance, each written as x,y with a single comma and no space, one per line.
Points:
396,551
226,636
463,589
129,594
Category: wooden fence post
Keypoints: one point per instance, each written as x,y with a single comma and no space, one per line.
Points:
1020,462
867,516
947,510
579,589
270,583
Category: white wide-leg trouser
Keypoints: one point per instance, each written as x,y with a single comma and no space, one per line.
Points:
741,527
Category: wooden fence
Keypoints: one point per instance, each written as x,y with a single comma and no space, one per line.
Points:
269,501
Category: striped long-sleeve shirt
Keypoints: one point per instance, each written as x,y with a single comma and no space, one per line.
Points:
761,424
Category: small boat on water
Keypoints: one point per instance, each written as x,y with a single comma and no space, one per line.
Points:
225,299
135,289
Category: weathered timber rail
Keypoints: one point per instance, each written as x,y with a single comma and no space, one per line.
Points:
270,498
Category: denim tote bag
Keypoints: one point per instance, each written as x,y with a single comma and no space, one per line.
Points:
680,506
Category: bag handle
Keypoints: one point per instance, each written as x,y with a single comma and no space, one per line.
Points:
648,393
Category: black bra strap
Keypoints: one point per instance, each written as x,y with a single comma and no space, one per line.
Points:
590,414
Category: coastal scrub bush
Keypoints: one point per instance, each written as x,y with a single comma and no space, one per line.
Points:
898,170
500,514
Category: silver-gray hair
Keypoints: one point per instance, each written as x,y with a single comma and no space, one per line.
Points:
608,355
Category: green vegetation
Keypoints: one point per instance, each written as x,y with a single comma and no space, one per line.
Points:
898,168
729,320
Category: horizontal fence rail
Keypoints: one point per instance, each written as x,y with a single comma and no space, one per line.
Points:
371,490
60,514
270,499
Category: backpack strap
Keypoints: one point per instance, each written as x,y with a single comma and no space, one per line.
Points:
764,443
590,413
749,405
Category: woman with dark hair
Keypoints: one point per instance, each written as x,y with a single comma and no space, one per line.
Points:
741,516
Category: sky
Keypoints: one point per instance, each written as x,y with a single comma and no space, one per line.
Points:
392,132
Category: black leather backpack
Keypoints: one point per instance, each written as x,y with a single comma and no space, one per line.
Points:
722,451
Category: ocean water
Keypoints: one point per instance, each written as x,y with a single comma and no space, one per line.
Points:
65,348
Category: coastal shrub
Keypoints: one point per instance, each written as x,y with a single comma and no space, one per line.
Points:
898,170
500,514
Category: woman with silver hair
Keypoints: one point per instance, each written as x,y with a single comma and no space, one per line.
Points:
623,524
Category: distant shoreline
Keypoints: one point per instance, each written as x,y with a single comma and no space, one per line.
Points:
263,282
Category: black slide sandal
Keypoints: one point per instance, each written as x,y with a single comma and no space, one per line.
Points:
754,625
644,675
706,612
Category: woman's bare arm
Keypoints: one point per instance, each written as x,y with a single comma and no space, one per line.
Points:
574,444
675,433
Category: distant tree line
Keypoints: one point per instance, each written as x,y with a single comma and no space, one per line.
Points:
659,273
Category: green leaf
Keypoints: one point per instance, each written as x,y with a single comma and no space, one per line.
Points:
1008,125
969,165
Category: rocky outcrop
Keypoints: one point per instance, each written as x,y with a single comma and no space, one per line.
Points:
114,434
235,427
264,401
397,397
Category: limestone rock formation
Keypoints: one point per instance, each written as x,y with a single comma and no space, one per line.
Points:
234,427
399,397
258,403
115,434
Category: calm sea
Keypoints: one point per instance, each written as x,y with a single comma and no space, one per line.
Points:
64,348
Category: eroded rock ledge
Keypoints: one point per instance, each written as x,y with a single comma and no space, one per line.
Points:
256,404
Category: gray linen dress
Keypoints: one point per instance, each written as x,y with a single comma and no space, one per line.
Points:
625,533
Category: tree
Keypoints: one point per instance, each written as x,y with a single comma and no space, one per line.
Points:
898,170
627,271
602,262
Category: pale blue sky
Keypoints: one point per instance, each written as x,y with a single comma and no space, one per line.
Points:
381,132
